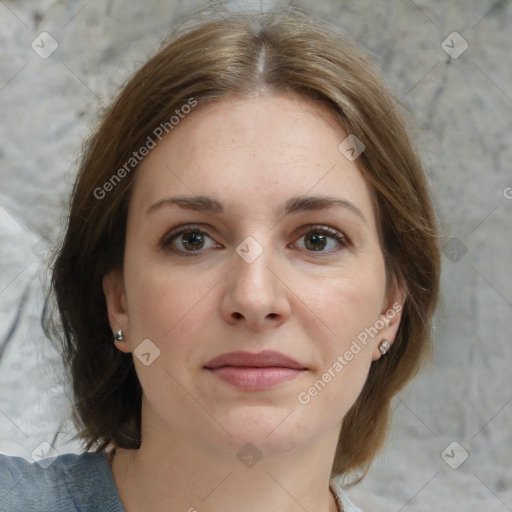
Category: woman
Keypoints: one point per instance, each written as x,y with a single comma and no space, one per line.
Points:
248,277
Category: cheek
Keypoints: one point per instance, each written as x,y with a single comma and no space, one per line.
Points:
347,303
346,353
346,309
165,304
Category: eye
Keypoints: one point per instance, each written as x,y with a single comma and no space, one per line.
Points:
318,238
191,238
187,239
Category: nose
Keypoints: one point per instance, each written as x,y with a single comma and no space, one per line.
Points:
255,296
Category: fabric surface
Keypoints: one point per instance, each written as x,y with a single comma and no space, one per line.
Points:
343,500
71,482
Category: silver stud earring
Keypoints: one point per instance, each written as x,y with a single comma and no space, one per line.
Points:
119,335
384,347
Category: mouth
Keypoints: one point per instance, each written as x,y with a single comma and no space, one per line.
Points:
255,372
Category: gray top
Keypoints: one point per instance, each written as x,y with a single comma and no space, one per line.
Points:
72,483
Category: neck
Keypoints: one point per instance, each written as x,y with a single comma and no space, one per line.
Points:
182,476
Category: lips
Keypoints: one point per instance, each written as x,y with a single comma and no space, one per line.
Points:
255,372
265,359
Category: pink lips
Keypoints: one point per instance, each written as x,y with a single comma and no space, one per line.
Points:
255,371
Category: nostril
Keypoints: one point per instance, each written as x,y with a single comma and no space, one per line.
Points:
236,314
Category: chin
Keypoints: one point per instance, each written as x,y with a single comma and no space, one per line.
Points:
272,430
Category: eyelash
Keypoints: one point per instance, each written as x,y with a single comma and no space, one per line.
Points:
166,241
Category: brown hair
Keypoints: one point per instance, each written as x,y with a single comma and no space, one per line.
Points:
211,56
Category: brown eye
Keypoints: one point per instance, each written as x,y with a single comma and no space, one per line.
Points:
315,242
187,239
192,241
317,239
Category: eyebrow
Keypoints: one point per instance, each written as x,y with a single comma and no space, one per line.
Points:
293,205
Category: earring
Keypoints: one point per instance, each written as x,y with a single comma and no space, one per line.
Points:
119,335
384,347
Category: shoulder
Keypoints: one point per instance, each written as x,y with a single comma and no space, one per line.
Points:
345,501
68,482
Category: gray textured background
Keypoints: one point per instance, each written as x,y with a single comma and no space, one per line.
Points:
463,109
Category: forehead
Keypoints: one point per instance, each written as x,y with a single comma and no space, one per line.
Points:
259,151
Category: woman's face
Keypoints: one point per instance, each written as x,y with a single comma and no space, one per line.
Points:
249,231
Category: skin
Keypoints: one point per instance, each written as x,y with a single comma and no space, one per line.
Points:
251,154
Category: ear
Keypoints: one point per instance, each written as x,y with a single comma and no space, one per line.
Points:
389,320
115,296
